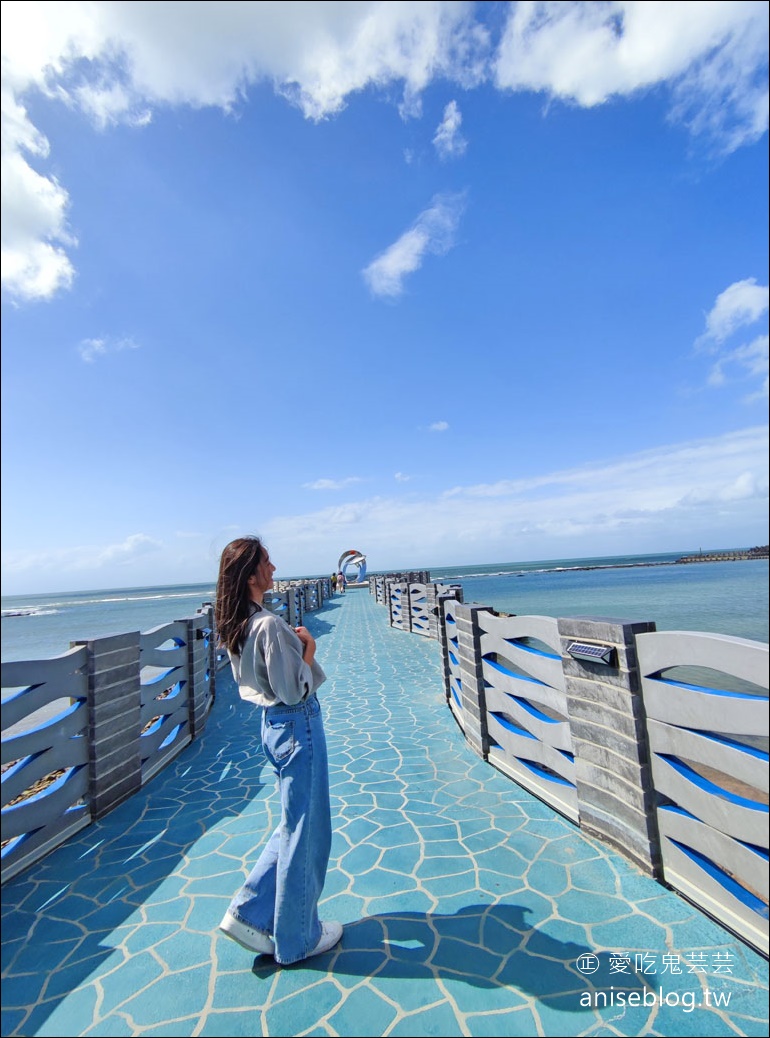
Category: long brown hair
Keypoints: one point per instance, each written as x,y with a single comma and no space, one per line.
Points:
233,606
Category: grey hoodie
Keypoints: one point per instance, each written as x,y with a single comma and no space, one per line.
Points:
270,668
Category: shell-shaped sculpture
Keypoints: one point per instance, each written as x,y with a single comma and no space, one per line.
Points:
353,557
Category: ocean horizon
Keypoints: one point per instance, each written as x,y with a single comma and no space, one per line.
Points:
717,597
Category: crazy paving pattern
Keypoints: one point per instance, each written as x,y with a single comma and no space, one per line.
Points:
469,906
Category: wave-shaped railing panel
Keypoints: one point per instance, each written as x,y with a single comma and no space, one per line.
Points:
205,631
708,750
83,731
454,677
165,709
277,602
45,760
418,607
527,725
399,606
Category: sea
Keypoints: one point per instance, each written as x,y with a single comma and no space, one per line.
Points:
718,597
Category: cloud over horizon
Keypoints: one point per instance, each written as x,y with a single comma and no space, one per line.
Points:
84,558
683,492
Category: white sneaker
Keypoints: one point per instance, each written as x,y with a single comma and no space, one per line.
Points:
331,934
247,936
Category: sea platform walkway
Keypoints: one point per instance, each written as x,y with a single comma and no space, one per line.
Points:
470,907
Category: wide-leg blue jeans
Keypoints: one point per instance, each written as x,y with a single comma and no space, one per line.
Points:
280,895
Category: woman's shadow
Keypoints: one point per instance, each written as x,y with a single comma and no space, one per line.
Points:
487,946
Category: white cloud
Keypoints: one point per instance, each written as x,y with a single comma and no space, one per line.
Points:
90,349
116,62
331,484
439,426
710,492
84,558
666,468
739,306
34,224
401,477
714,488
433,232
751,360
133,547
448,140
712,55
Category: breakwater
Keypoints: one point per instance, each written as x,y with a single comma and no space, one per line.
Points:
654,741
727,556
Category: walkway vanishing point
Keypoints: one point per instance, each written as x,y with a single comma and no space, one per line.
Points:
470,907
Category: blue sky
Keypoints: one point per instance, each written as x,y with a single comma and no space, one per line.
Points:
441,282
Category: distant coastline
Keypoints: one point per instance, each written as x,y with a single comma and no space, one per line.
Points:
713,556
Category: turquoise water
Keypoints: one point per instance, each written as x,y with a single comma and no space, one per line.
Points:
48,623
720,597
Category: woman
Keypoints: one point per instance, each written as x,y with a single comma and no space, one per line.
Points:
276,910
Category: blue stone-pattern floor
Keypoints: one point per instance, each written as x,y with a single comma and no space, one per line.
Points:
469,906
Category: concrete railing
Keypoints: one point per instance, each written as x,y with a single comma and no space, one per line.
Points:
593,716
413,604
291,599
710,774
85,730
378,583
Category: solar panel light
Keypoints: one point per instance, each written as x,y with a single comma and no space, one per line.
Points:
592,653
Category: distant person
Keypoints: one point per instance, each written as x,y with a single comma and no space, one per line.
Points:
341,582
276,910
334,582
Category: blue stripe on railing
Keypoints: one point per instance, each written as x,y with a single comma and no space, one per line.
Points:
543,773
735,745
724,880
58,783
532,649
506,722
513,673
675,809
706,689
161,677
711,787
531,709
170,737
